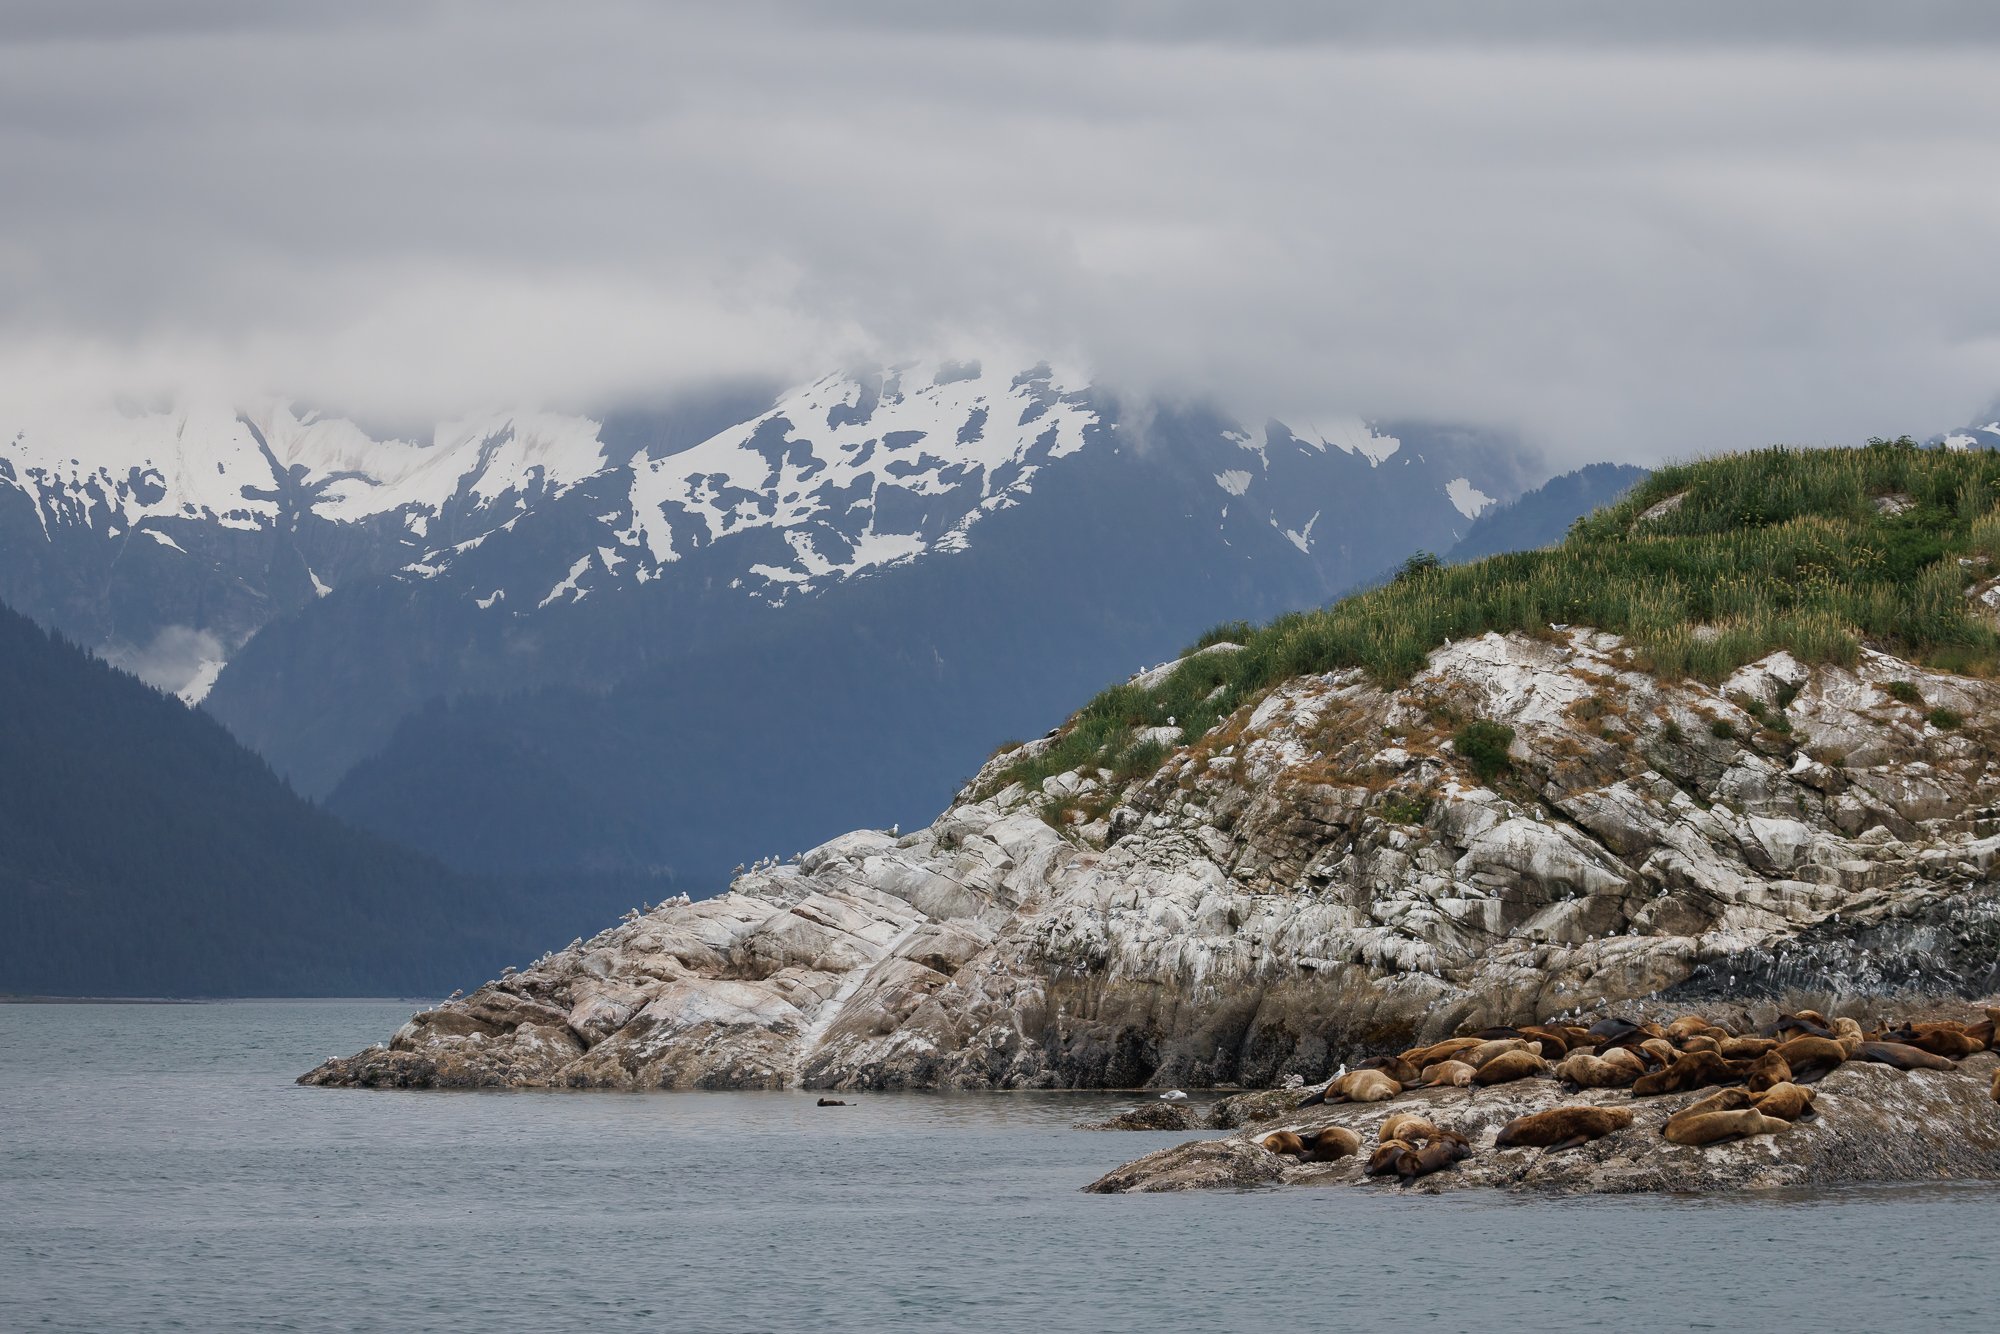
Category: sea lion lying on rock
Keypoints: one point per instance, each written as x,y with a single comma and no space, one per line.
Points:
1356,1086
1323,1146
1938,1039
1455,1074
1508,1066
1715,1127
1691,1071
1406,1126
1395,1067
1787,1102
1811,1058
1491,1050
1615,1069
1562,1127
1410,1159
1901,1055
1767,1071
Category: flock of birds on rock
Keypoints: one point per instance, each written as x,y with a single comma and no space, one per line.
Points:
1762,1080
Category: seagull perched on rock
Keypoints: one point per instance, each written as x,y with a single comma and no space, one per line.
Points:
1173,1095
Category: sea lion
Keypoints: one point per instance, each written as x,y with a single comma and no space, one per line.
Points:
1722,1100
1555,1043
1511,1065
1715,1127
1562,1127
1357,1086
1405,1125
1984,1029
1791,1026
1435,1155
1937,1039
1690,1071
1453,1074
1395,1067
1746,1048
831,1102
1701,1042
1787,1102
1767,1071
1848,1034
1811,1057
1596,1072
1900,1055
1495,1047
1496,1031
1606,1031
1661,1051
1285,1141
1439,1051
1330,1143
1383,1160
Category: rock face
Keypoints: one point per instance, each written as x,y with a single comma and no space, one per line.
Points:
1873,1124
1319,876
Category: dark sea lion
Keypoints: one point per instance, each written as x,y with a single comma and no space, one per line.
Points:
1607,1031
1792,1026
1562,1127
1902,1056
1691,1071
1332,1142
1395,1067
1814,1017
831,1102
1555,1043
1509,1066
1383,1161
1715,1127
1449,1074
1767,1071
1497,1031
1597,1072
1787,1102
1434,1156
1811,1057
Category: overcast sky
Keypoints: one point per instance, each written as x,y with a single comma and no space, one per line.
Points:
1629,232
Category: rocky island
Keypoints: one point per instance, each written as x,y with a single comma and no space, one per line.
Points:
1732,742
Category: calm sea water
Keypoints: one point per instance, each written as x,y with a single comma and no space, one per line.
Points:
158,1170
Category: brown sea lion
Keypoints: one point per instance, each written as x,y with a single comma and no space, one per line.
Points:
1767,1071
1722,1100
1596,1072
1701,1042
1488,1050
1330,1143
1787,1102
1791,1026
830,1102
1746,1048
1511,1065
1937,1039
1984,1029
1555,1043
1901,1055
1685,1025
1715,1127
1284,1141
1811,1057
1659,1051
1435,1155
1405,1125
1438,1051
1363,1086
1383,1161
1562,1127
1395,1067
1848,1034
1453,1074
1691,1071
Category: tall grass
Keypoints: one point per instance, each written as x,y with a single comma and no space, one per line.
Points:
1775,549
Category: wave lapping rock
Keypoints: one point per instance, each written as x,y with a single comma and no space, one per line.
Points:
1320,874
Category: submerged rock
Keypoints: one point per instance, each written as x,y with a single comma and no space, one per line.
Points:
1151,1116
1318,877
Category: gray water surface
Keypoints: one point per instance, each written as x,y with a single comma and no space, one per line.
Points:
158,1170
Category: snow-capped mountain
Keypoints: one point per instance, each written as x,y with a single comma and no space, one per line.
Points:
659,643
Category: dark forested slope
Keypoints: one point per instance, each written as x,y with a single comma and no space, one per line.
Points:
144,852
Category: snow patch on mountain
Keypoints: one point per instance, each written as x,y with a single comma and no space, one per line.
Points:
1466,498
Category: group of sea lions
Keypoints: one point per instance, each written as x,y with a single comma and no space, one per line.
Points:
1762,1077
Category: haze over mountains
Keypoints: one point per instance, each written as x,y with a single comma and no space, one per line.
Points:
682,640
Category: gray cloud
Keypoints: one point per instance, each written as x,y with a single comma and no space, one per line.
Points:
1630,232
